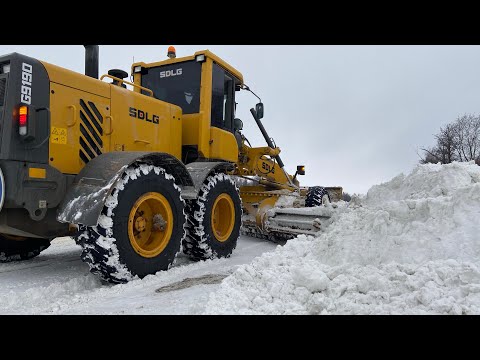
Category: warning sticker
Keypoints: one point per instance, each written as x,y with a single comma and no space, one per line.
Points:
58,135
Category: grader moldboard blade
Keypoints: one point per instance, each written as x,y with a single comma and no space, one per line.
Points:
279,224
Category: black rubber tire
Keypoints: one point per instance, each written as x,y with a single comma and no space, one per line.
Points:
315,195
200,242
108,250
17,250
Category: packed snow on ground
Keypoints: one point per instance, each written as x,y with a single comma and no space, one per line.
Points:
58,282
409,246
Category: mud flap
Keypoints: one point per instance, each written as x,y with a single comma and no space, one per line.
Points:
84,201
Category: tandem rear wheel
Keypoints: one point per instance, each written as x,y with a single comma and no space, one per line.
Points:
140,229
214,219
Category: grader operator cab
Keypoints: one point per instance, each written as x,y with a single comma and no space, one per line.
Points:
137,175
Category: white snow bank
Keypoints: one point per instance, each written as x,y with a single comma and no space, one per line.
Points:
51,296
412,246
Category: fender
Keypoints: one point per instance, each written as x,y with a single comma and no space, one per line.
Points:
200,170
85,199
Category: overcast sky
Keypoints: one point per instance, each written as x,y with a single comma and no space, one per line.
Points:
354,115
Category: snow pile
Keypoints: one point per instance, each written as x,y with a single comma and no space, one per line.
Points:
411,245
33,299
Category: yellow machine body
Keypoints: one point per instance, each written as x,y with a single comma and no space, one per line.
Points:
89,118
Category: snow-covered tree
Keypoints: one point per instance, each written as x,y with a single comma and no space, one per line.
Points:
457,141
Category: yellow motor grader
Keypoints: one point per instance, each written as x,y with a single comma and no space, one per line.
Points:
137,170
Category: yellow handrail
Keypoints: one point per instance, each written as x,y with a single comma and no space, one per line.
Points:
127,82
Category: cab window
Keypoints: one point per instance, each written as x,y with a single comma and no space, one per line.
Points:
223,98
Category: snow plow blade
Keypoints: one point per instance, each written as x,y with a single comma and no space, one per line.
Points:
298,221
278,223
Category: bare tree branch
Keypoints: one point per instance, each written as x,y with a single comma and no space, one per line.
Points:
457,141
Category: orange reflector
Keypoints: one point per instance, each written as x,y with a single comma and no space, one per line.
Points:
23,110
38,173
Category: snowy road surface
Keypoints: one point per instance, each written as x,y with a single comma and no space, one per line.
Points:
58,282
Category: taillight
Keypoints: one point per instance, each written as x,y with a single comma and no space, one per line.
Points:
23,120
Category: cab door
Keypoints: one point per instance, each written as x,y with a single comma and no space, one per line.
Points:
223,143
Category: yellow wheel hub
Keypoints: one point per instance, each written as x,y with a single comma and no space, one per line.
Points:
150,224
140,224
223,217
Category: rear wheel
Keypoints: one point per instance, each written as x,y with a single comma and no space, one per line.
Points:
15,248
316,196
214,219
140,229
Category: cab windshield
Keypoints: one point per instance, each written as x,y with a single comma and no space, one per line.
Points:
177,84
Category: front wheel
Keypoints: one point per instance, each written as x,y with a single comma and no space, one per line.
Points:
140,229
316,196
214,219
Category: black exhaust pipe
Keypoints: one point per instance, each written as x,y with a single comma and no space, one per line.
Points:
91,61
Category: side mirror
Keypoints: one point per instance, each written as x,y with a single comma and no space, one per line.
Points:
259,110
237,124
301,169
